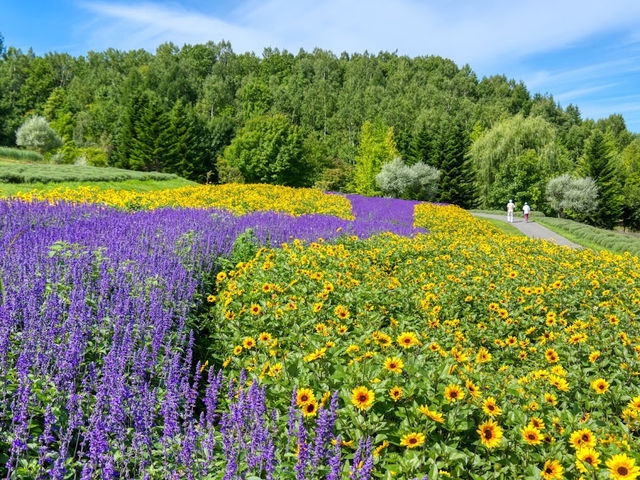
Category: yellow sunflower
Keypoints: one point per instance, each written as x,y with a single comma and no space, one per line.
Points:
600,386
490,408
396,393
490,434
531,435
622,467
309,409
255,309
551,470
551,355
587,456
584,438
248,343
304,396
362,397
407,339
432,414
412,440
394,364
453,393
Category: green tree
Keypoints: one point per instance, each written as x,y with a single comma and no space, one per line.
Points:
376,148
152,145
268,149
598,163
507,142
457,181
630,166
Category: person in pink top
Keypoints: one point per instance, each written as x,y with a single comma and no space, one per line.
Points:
526,209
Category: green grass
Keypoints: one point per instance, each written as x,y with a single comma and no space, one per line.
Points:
592,237
46,173
504,227
20,155
8,189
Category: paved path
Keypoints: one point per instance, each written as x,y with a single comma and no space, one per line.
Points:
532,230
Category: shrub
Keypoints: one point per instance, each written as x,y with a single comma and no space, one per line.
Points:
415,182
21,155
575,197
36,133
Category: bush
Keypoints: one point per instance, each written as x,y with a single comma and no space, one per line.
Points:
415,182
36,133
575,197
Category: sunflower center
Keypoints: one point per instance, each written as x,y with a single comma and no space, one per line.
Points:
622,470
488,434
491,407
304,398
413,440
589,460
454,394
548,470
362,398
531,436
585,438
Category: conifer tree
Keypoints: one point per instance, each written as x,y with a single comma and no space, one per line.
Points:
597,163
457,182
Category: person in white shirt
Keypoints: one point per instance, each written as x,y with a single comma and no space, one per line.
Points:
510,208
526,209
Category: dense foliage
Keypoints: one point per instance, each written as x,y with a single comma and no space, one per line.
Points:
324,119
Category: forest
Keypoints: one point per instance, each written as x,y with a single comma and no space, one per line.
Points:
320,119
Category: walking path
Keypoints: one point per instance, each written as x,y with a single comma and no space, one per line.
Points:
532,230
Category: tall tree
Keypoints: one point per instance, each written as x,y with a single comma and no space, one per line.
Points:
457,182
376,148
268,149
598,163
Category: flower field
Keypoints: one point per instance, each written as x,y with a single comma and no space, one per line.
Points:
357,338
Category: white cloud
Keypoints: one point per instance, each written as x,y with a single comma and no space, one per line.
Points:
468,31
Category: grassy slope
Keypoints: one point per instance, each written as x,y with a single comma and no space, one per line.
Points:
140,185
502,226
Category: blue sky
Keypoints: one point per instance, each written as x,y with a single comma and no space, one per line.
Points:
582,52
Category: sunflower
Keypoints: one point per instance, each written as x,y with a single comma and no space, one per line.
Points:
317,307
304,396
362,397
237,350
412,440
531,435
490,408
622,467
211,298
248,343
394,364
342,312
310,409
453,393
264,337
583,439
593,356
587,456
407,339
600,385
490,434
551,398
551,470
395,393
472,389
537,423
551,355
634,404
432,414
483,355
255,309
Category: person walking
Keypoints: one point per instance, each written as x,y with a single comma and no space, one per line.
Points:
510,208
526,209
